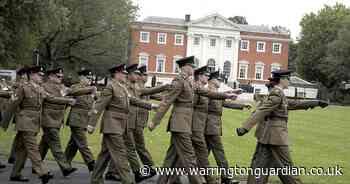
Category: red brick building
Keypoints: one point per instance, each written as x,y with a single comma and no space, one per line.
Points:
244,53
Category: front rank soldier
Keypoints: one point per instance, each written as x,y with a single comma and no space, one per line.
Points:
29,99
79,119
116,102
272,150
213,131
52,121
180,96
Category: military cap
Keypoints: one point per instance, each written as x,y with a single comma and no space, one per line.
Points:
132,68
84,72
215,75
281,74
22,71
118,68
186,61
202,71
35,69
143,69
55,71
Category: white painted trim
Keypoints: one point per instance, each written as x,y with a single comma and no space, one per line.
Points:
182,39
165,38
280,50
148,38
240,45
265,38
157,59
257,46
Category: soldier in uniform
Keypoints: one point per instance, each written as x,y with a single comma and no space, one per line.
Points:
213,131
79,119
272,149
21,78
29,98
116,101
180,96
52,121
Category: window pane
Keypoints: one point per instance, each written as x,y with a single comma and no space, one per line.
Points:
227,68
212,42
160,63
179,39
228,43
196,41
211,65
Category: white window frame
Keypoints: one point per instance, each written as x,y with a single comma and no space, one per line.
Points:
280,48
175,58
182,39
159,36
261,65
199,41
210,39
148,37
226,41
257,46
274,67
144,55
246,65
158,57
243,49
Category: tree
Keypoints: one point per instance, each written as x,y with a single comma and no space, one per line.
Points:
292,55
238,20
318,30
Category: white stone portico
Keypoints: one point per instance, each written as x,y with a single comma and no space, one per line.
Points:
223,51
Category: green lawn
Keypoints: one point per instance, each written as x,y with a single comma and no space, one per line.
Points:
318,139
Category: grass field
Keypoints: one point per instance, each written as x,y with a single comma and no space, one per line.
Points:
319,138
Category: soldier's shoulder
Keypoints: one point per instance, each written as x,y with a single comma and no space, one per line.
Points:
276,92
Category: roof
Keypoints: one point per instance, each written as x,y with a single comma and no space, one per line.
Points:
242,27
298,82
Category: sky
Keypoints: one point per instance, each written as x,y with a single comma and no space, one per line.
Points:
287,13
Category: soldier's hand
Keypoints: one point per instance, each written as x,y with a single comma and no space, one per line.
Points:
237,91
90,129
241,131
151,126
154,106
247,106
323,103
72,102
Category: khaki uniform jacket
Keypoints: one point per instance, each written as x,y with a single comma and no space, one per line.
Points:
116,101
180,95
53,114
79,115
200,106
142,113
215,109
272,116
30,98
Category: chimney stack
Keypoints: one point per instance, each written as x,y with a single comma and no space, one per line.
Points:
187,18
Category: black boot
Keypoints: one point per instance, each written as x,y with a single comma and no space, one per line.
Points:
11,160
112,177
2,166
69,172
91,166
45,178
19,179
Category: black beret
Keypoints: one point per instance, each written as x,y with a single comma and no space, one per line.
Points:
215,75
132,68
280,73
22,71
202,71
35,69
143,69
55,71
118,68
187,60
84,72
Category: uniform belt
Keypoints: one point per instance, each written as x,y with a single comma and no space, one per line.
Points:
201,109
185,105
277,118
215,113
116,109
81,107
31,108
58,108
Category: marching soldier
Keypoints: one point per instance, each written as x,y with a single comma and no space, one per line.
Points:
52,119
21,79
180,123
272,149
213,131
29,98
116,101
79,119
